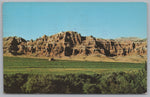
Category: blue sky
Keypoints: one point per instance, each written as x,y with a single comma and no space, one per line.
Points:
102,20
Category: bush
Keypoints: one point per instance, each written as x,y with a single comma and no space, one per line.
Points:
91,88
106,83
14,82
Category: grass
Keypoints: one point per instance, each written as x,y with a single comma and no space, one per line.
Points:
32,75
13,65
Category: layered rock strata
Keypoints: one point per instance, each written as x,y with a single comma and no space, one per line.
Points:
71,43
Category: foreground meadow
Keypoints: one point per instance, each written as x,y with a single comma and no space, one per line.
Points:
29,75
14,65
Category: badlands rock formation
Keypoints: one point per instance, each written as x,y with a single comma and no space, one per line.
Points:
71,43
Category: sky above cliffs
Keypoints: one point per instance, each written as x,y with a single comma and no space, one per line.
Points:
102,20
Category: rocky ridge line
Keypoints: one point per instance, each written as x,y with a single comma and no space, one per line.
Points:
71,43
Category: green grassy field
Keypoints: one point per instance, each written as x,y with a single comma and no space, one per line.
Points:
14,65
30,75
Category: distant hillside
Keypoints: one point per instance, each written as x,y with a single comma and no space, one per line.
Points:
128,39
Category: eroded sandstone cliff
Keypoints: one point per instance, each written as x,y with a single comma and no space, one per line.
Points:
71,43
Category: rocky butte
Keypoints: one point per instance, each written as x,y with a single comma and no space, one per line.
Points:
69,43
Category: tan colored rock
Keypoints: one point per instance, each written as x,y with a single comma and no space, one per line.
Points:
71,43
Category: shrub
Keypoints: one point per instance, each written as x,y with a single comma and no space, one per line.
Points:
105,83
91,88
14,82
